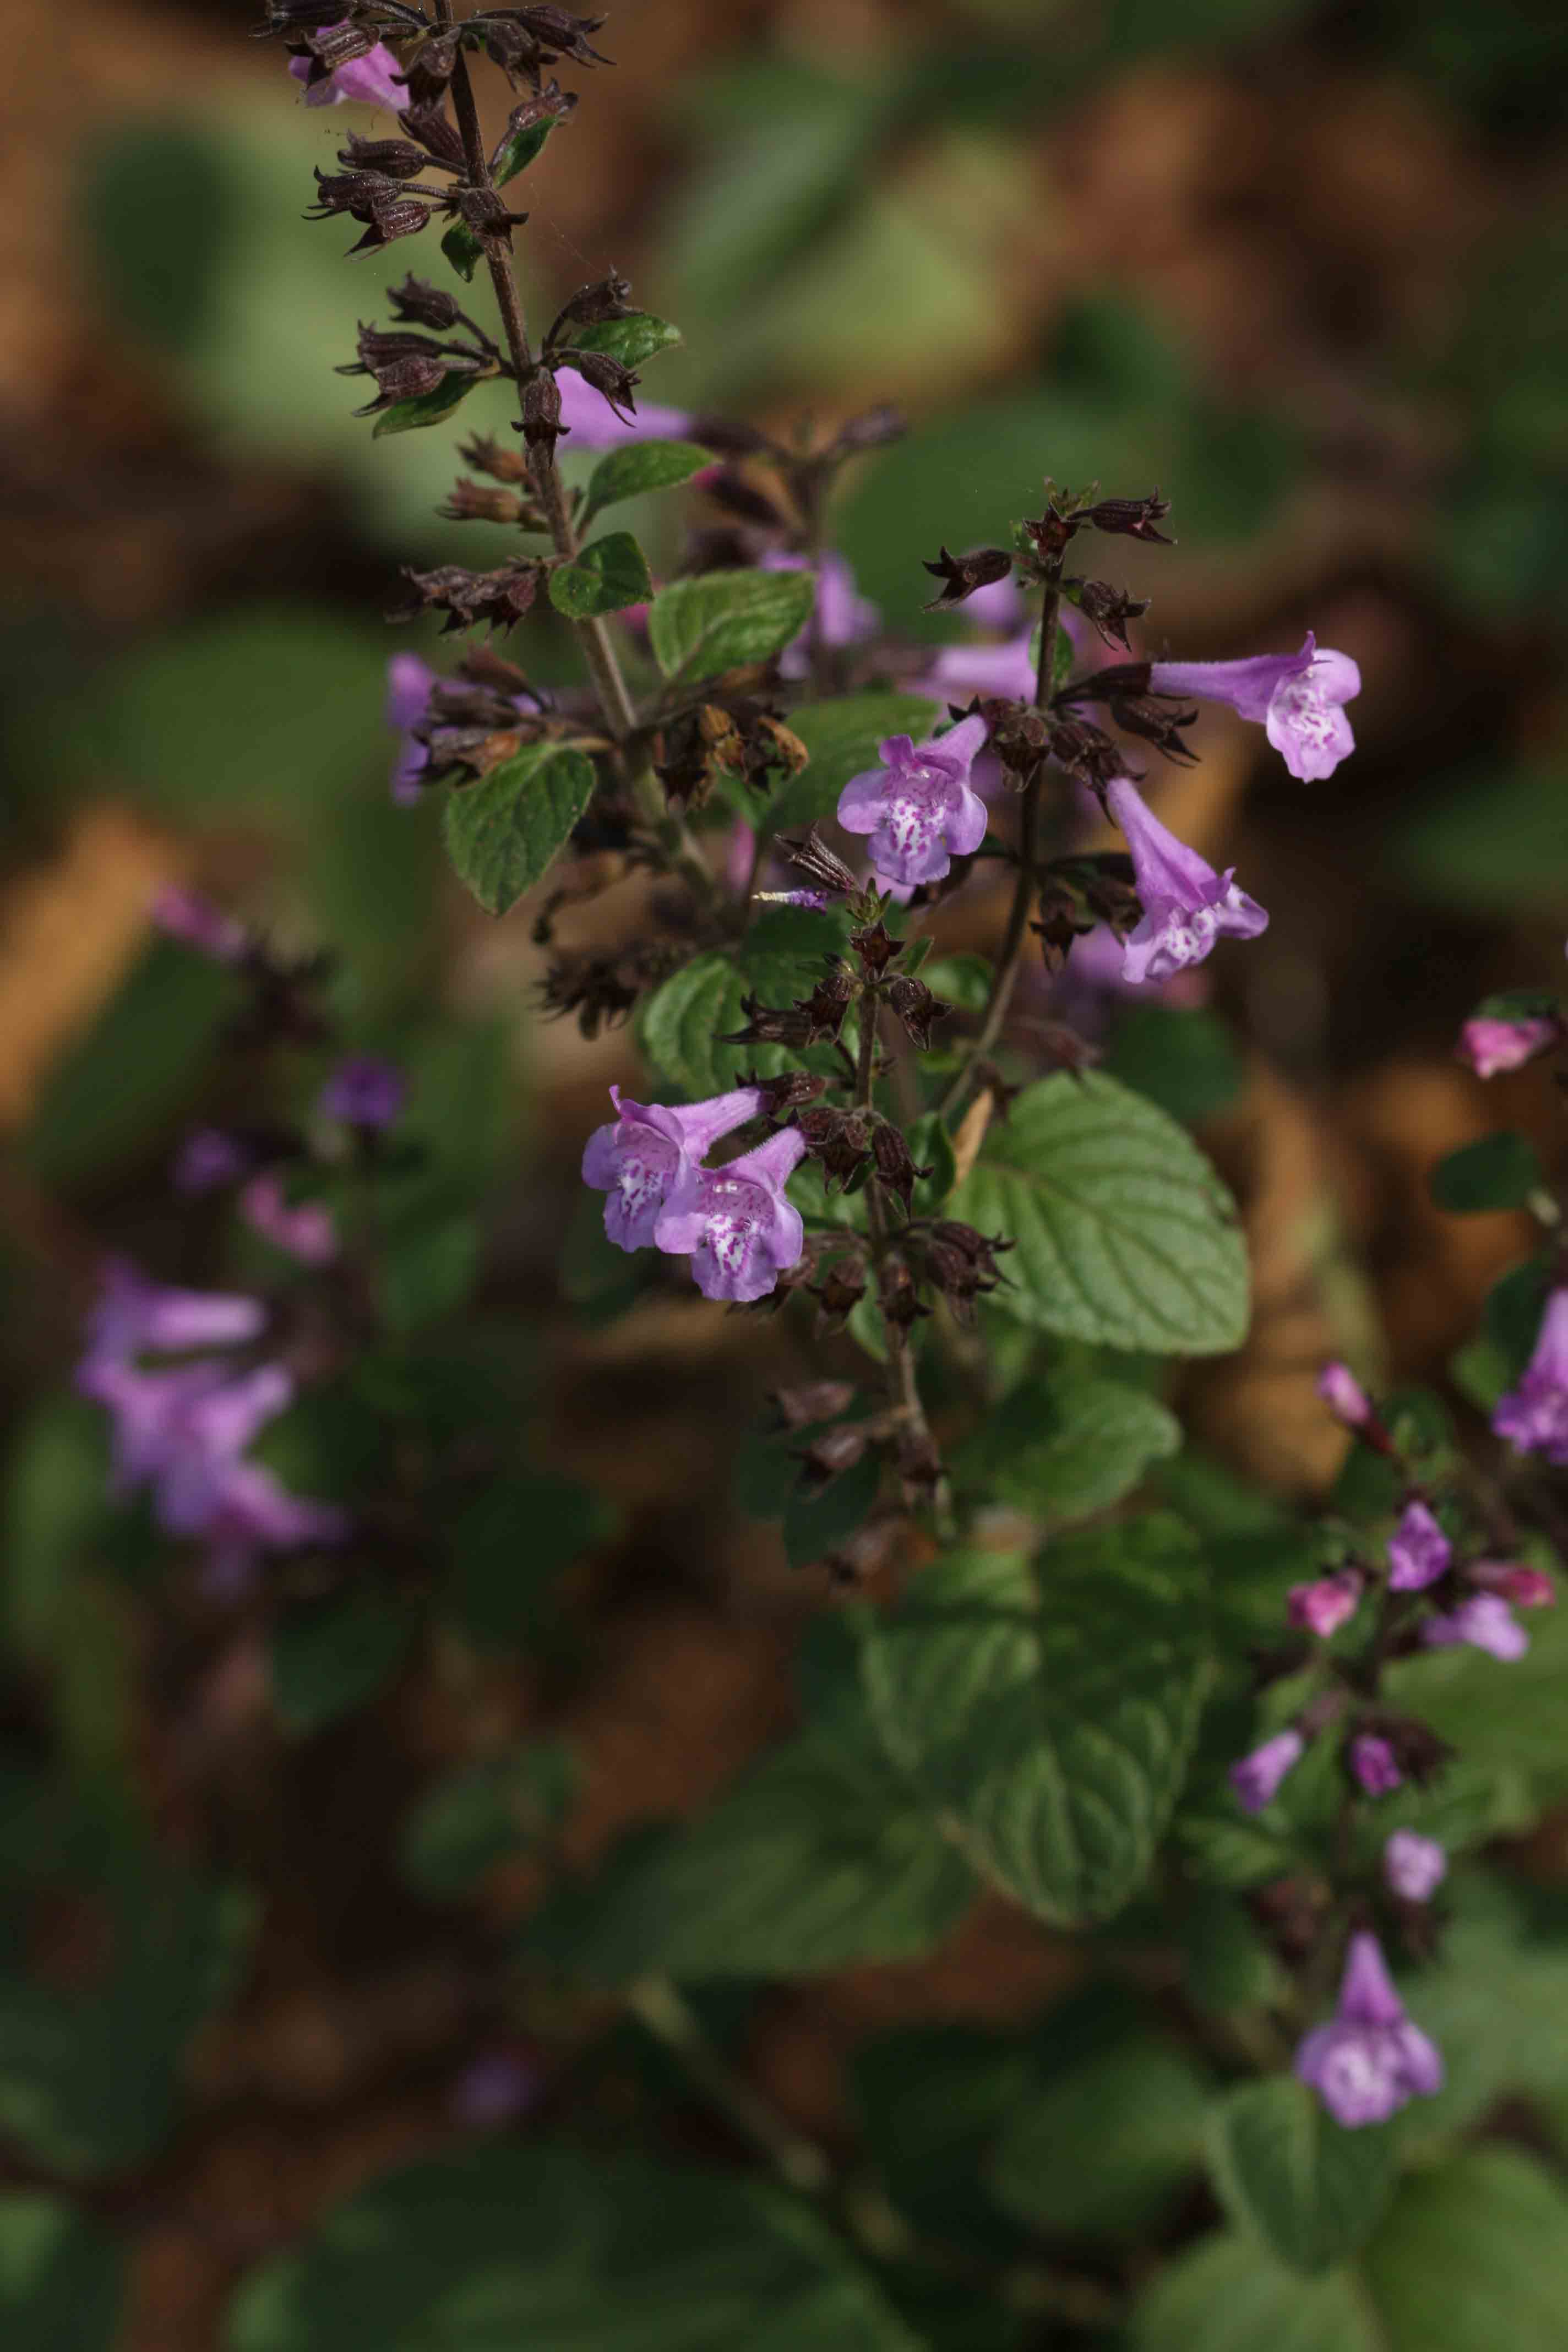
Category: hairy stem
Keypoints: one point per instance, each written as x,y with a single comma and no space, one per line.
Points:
900,1356
1015,939
799,2162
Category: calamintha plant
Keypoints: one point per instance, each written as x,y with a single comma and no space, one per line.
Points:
1241,1753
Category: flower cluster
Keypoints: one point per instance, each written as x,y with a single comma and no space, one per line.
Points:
735,1224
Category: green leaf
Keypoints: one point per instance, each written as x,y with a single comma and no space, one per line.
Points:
335,1654
1496,1171
1187,1061
430,1268
1474,2258
1103,2151
814,1525
1508,1717
720,620
508,2248
502,831
1284,2168
1047,1721
1494,2006
842,736
484,1813
1228,2296
463,249
817,1858
518,150
631,340
509,1546
60,2279
641,467
606,578
779,959
1125,1235
429,407
1061,1447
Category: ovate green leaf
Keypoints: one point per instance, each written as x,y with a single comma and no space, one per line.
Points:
1285,2170
606,578
639,467
502,831
719,620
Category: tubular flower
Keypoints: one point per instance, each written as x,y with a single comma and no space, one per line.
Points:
372,81
637,1158
409,682
1491,1044
1414,1867
1370,2060
735,1224
593,423
196,923
1375,1764
1256,1778
1484,1621
1419,1551
843,615
364,1092
1534,1417
304,1230
918,806
1187,904
1344,1395
1298,698
1325,1605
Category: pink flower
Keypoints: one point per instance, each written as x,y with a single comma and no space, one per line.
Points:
1489,1044
1414,1867
1527,1588
1486,1623
918,806
1298,698
306,1231
1375,1764
1187,904
1344,1395
1323,1606
372,81
637,1160
1534,1417
1370,2060
1256,1778
1419,1551
196,923
735,1224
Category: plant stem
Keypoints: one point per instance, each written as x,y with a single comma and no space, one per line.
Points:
674,835
1015,939
798,2161
900,1356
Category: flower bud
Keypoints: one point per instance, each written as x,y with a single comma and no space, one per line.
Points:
916,1007
1110,609
961,575
839,1139
1132,518
830,1454
1344,1395
817,862
839,1292
424,305
896,1169
541,425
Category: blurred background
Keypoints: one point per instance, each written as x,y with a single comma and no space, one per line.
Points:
1299,265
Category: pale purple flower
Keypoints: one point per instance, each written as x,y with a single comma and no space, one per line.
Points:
1256,1778
1534,1417
1300,700
496,2089
371,80
1344,1395
593,423
409,683
304,1230
1370,2060
1486,1622
1491,1044
363,1091
253,1512
999,604
637,1160
735,1224
196,923
1414,1867
1325,1605
1375,1764
957,673
136,1317
208,1417
207,1157
1419,1551
843,615
918,806
1187,904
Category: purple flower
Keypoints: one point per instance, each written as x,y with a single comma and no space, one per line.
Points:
409,682
1187,904
1326,1604
843,615
1489,1044
1375,1764
364,1092
1414,1867
496,2089
306,1231
253,1512
918,806
1419,1551
196,923
1256,1778
636,1161
207,1157
1527,1588
1370,2060
1344,1395
735,1223
371,79
134,1316
957,672
594,424
1533,1416
1486,1622
1299,697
